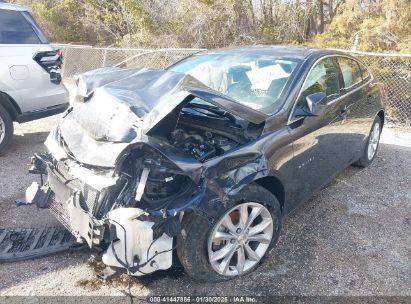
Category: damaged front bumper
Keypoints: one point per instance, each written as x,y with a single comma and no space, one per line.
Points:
129,241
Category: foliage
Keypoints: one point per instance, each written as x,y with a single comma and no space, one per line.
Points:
381,25
59,19
92,21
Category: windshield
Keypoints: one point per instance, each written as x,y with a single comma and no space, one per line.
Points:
256,81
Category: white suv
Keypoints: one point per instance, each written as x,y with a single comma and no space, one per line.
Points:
30,80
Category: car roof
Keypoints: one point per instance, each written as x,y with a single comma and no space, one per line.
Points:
298,52
14,7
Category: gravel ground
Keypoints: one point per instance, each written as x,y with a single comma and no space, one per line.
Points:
353,238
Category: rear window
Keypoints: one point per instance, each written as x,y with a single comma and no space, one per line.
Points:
15,29
365,73
37,29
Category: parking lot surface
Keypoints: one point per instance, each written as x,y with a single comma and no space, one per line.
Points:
353,238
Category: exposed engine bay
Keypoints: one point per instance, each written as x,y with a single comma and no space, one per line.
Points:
125,187
201,145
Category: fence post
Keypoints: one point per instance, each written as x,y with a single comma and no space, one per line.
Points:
65,52
356,40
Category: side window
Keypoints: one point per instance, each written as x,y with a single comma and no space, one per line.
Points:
14,29
322,78
364,71
350,71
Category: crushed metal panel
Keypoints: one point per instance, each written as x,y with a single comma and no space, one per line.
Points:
83,224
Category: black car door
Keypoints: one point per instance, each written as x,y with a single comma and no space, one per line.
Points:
357,94
320,149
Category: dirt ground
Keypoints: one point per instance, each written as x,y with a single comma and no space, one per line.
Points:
353,238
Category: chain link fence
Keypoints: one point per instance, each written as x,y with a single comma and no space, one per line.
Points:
79,59
394,70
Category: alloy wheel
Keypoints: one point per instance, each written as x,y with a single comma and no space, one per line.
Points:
373,141
240,239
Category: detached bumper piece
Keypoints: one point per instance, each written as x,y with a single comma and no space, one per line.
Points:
22,244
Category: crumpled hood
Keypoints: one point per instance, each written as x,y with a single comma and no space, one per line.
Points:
116,107
122,104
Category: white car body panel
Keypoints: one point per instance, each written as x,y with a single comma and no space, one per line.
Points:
21,77
35,91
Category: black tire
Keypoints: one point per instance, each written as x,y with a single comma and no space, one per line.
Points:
8,125
364,160
193,237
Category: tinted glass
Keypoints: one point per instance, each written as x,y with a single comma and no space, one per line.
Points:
14,29
322,78
253,80
35,27
350,71
364,71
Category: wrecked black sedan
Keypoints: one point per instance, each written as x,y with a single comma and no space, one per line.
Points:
207,157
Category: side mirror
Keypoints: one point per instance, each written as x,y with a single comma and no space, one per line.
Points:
310,108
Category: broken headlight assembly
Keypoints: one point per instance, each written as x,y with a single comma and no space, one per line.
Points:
150,182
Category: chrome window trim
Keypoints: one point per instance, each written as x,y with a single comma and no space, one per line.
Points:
290,120
362,65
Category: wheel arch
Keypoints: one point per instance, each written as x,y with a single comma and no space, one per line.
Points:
10,105
275,186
